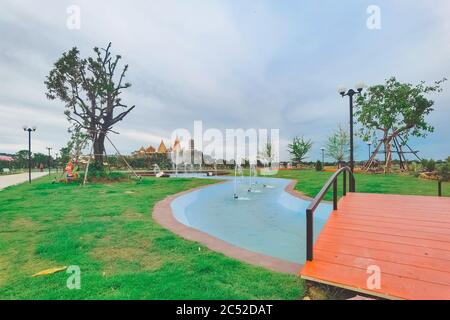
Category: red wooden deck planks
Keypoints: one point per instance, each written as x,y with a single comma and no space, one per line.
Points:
407,237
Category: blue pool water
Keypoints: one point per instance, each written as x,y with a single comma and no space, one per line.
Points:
268,220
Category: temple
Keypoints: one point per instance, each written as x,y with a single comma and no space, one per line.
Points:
176,153
162,149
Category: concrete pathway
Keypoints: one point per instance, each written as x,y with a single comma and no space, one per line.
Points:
13,179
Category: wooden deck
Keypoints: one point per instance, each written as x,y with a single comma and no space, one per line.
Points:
407,237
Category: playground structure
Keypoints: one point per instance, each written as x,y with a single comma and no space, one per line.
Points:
71,174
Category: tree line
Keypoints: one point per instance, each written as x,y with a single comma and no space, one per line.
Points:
21,160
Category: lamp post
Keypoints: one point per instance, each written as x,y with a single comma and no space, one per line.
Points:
350,93
369,144
323,156
56,162
49,159
32,129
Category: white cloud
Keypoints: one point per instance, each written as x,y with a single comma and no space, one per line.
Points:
145,138
230,64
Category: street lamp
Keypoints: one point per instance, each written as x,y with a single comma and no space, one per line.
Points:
350,93
49,159
369,144
32,129
56,161
323,156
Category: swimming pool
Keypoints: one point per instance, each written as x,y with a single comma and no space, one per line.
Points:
267,220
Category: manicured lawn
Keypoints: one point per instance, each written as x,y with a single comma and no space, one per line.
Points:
310,182
107,230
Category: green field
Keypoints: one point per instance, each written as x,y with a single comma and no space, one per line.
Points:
310,182
107,230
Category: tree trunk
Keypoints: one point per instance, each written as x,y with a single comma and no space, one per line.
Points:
99,148
388,152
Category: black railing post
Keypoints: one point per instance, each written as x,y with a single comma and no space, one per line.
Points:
319,197
309,235
344,181
439,188
335,194
351,183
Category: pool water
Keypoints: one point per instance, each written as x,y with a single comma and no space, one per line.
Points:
267,220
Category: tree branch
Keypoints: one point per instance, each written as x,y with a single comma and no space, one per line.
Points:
122,115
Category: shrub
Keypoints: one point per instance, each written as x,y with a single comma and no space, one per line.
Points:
148,161
444,171
161,160
98,172
414,167
424,163
428,165
431,165
318,166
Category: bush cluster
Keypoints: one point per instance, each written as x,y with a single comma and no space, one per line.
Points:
98,172
428,165
318,165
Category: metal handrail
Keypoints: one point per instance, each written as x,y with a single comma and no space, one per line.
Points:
316,201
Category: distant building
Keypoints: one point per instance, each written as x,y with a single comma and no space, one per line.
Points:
150,150
142,152
138,153
181,156
177,145
175,153
162,147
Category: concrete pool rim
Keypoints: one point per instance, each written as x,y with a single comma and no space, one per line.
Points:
163,215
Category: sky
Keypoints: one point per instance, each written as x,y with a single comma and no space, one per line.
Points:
230,64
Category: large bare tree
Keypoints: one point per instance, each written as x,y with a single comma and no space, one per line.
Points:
91,90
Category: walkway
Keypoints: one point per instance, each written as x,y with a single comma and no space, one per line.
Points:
13,179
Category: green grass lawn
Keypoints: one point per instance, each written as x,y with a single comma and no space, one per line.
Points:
107,230
310,182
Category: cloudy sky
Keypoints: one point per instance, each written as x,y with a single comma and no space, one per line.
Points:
231,64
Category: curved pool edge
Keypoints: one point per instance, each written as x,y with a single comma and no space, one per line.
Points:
163,215
290,188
